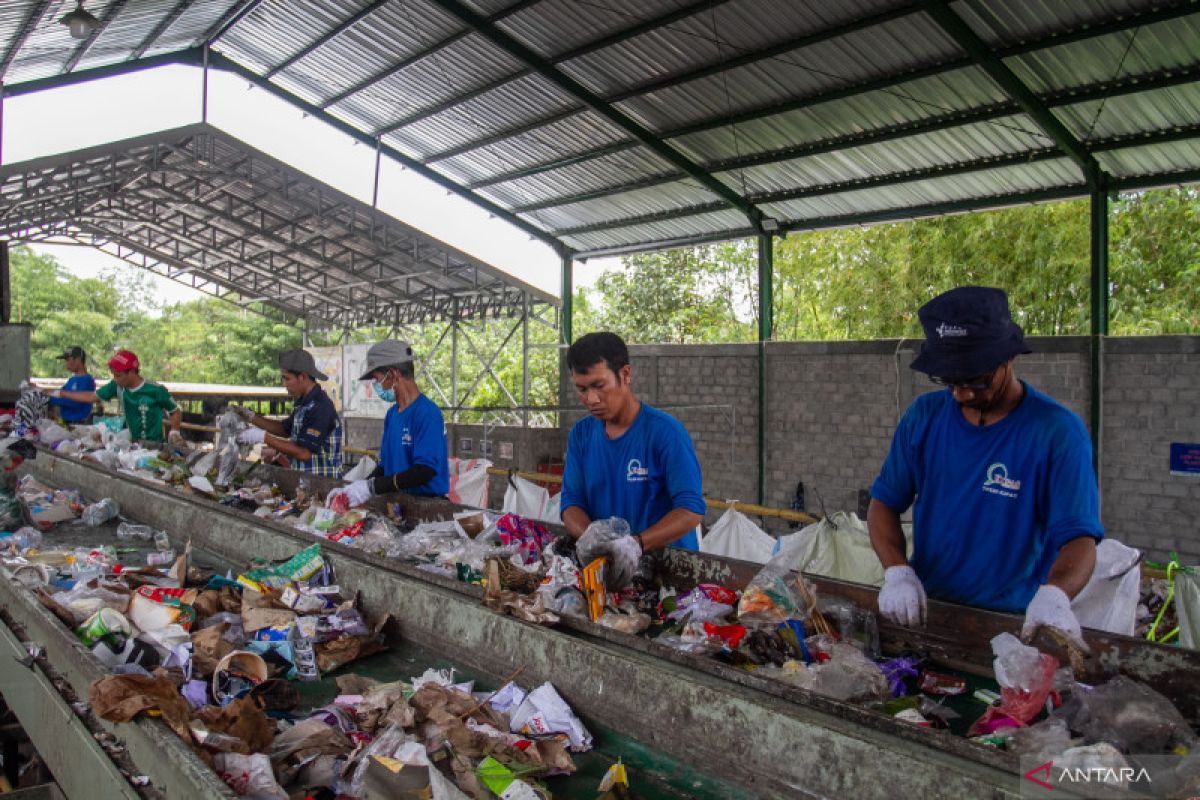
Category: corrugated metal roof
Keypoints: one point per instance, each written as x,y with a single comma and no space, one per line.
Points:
205,209
635,122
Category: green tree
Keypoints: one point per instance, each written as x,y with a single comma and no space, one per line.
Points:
63,310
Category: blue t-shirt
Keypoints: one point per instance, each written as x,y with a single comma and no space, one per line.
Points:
417,435
73,410
640,476
993,504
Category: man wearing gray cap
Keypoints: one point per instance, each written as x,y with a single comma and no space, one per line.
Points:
311,436
413,456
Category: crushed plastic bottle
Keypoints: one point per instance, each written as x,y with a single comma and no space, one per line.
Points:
100,512
161,541
127,531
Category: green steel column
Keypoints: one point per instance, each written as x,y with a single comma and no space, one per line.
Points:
1099,314
766,318
565,327
568,295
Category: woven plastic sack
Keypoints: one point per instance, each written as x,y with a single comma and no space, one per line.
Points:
469,481
1108,602
837,546
734,535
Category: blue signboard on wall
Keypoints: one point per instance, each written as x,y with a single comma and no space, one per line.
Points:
1185,459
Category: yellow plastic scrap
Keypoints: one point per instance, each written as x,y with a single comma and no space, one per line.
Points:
593,578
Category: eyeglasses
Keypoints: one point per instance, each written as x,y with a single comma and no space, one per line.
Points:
976,384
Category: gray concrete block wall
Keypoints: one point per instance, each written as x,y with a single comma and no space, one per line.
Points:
1151,399
831,408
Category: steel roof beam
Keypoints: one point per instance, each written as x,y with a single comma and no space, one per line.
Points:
420,55
235,14
617,37
749,115
522,53
325,38
159,29
966,38
110,13
18,41
343,127
186,57
1106,89
891,179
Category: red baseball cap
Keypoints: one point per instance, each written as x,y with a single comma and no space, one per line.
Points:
124,361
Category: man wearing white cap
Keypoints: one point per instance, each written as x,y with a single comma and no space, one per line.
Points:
413,456
311,436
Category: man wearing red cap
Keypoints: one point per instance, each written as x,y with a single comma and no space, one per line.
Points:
142,402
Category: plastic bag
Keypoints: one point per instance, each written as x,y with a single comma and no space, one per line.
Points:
100,512
837,546
526,499
735,536
249,776
50,433
1187,605
1129,715
230,425
363,469
1108,602
469,481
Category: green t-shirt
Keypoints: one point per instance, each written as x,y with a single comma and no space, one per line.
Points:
143,408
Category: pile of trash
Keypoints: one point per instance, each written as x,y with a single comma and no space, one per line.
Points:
215,656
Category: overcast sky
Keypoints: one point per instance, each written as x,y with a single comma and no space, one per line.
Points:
66,119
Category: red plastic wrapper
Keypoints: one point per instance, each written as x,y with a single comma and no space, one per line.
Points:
718,594
347,534
340,504
732,635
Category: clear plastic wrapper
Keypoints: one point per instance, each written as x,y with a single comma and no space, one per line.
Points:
1129,715
100,512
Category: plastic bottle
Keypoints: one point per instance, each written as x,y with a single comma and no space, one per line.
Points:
127,531
100,512
161,541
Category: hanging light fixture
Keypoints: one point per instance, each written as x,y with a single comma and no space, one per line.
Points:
79,22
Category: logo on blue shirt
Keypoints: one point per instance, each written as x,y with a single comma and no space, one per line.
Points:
635,471
999,483
406,437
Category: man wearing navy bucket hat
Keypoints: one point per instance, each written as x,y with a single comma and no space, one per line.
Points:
1006,513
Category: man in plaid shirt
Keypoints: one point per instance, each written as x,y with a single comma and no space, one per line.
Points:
311,436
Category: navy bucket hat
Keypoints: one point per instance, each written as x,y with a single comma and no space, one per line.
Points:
968,332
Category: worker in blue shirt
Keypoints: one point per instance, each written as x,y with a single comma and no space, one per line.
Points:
626,459
413,455
1006,513
80,381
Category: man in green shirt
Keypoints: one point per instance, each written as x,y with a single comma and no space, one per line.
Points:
142,402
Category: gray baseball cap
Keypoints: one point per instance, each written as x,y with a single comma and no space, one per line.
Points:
387,353
301,361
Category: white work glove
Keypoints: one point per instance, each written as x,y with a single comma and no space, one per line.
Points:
357,493
1051,607
246,414
251,436
174,437
624,554
902,598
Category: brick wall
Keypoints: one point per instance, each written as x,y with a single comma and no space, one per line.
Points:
831,408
